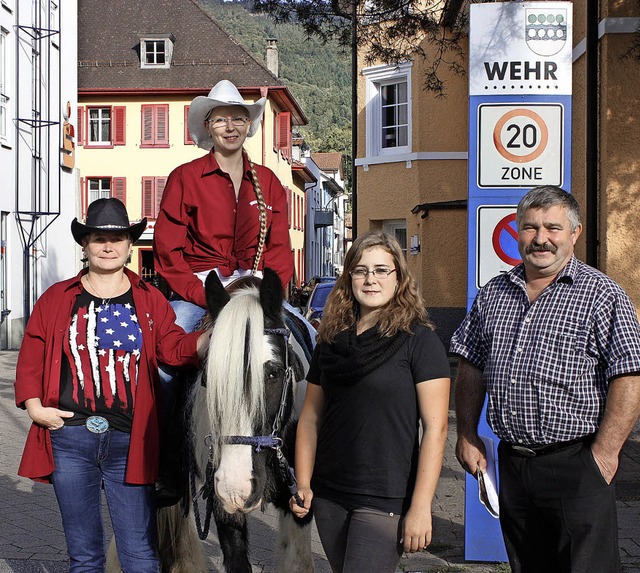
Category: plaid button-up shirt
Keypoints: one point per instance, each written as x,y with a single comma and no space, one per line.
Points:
547,364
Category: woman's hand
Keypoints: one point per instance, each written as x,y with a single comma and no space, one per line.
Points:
306,495
416,529
49,418
203,344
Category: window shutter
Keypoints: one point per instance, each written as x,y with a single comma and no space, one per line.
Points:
83,195
147,197
80,138
160,184
187,134
284,134
119,188
147,125
162,125
284,117
119,125
289,197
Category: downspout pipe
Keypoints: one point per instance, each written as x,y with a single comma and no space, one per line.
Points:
354,118
592,88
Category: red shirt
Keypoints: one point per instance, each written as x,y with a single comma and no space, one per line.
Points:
38,372
201,226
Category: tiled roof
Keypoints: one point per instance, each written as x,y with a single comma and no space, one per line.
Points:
109,44
331,161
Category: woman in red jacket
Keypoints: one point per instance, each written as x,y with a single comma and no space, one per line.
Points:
220,212
87,375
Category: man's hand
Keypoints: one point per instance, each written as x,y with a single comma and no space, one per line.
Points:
471,454
606,460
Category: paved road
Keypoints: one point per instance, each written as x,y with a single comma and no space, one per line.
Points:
32,541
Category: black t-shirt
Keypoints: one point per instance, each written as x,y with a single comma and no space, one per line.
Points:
367,451
100,360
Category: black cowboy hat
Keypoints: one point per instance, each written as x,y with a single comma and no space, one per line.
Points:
107,215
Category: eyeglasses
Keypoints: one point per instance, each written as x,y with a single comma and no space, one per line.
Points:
379,273
222,122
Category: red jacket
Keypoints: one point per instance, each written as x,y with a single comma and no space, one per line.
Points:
201,226
39,363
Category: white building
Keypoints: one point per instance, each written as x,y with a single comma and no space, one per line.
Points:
38,190
325,230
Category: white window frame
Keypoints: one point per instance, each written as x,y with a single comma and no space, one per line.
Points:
391,226
167,43
376,77
101,120
98,188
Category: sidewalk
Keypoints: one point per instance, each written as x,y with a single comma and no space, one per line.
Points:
32,541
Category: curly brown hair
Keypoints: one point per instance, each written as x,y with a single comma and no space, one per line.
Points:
404,310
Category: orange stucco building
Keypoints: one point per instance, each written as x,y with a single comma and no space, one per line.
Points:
414,184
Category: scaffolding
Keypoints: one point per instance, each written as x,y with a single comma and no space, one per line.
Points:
38,133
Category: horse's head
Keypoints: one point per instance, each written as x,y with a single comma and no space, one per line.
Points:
248,395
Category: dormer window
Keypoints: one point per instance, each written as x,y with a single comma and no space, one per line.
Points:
156,51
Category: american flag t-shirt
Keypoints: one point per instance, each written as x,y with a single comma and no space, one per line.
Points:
103,349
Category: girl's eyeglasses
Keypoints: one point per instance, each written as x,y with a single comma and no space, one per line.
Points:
379,273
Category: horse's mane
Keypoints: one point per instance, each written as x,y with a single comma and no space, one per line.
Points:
237,343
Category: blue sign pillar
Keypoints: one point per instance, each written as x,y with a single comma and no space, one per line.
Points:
520,81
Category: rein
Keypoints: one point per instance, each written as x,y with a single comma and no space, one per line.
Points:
272,441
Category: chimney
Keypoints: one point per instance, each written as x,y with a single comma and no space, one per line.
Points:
272,56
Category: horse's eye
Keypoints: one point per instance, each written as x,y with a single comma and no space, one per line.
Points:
273,372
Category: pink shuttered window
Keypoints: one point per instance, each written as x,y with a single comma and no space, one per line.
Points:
119,188
119,125
80,136
187,135
155,125
152,190
289,206
283,134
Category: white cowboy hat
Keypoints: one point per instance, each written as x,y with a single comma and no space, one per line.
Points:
222,94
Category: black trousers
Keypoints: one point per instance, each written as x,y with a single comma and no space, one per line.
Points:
557,513
360,540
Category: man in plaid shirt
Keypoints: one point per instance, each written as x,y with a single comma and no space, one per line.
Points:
555,345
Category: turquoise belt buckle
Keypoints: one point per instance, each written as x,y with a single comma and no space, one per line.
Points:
97,424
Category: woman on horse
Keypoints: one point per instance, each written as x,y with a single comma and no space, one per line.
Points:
220,212
87,374
378,370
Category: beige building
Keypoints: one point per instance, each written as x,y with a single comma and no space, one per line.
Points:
412,173
140,65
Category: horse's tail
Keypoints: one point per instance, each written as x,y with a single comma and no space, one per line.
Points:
179,547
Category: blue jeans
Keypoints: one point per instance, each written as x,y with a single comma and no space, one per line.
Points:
188,316
84,463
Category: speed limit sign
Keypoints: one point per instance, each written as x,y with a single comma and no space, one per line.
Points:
520,145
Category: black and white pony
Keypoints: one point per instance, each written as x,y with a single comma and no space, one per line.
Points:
242,430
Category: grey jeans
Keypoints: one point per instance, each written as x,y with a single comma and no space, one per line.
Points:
359,540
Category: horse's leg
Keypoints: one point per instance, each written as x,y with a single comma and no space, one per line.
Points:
232,536
179,547
294,545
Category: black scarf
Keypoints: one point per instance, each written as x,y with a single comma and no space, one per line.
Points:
350,357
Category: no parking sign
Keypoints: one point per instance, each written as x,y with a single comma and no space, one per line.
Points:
497,241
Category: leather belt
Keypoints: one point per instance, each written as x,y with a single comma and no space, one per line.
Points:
534,451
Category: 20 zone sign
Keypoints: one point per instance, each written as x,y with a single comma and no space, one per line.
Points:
519,146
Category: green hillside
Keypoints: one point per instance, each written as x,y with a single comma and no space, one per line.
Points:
319,76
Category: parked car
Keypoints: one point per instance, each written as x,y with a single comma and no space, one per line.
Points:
317,300
307,288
